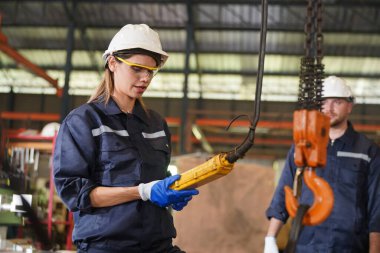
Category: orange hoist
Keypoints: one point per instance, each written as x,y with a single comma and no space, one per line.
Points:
310,134
222,164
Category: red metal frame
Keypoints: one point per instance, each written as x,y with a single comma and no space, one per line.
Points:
11,52
30,116
176,122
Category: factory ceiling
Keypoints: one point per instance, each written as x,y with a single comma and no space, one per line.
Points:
223,38
220,37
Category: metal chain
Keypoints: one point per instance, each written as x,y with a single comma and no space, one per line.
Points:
309,96
312,69
319,68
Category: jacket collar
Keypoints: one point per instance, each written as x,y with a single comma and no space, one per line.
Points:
349,135
112,109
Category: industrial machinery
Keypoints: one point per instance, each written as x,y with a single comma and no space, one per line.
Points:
310,133
222,164
12,204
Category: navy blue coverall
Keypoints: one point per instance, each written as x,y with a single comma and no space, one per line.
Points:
98,145
353,172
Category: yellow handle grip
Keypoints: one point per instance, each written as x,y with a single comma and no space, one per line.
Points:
211,170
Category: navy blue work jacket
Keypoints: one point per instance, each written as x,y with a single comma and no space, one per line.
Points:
353,172
98,145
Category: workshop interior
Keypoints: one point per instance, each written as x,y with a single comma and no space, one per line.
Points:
241,77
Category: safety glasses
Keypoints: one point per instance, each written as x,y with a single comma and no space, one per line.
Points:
140,69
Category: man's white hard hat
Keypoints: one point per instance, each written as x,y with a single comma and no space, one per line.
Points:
133,37
335,87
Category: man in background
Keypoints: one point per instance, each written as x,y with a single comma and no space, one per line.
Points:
353,172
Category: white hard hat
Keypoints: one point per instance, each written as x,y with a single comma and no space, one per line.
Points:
136,36
335,87
50,129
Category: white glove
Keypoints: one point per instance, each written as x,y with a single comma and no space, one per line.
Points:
270,245
146,189
160,193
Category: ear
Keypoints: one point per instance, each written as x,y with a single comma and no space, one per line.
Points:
112,63
350,106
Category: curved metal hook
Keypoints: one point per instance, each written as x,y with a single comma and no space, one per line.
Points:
323,199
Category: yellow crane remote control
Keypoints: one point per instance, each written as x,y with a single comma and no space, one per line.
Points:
212,169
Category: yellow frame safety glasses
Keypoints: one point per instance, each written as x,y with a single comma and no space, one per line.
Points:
137,68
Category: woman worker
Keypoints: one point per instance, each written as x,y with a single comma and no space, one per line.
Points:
112,153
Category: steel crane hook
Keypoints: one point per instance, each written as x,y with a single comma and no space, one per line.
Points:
323,199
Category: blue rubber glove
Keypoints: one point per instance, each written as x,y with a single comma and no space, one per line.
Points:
180,205
159,193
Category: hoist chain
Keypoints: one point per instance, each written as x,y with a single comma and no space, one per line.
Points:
312,69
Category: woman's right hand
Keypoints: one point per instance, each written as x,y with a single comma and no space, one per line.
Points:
159,193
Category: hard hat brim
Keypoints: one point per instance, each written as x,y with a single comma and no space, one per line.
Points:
164,55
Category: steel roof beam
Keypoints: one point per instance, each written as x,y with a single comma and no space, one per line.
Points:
200,27
356,3
370,52
186,71
12,53
225,72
